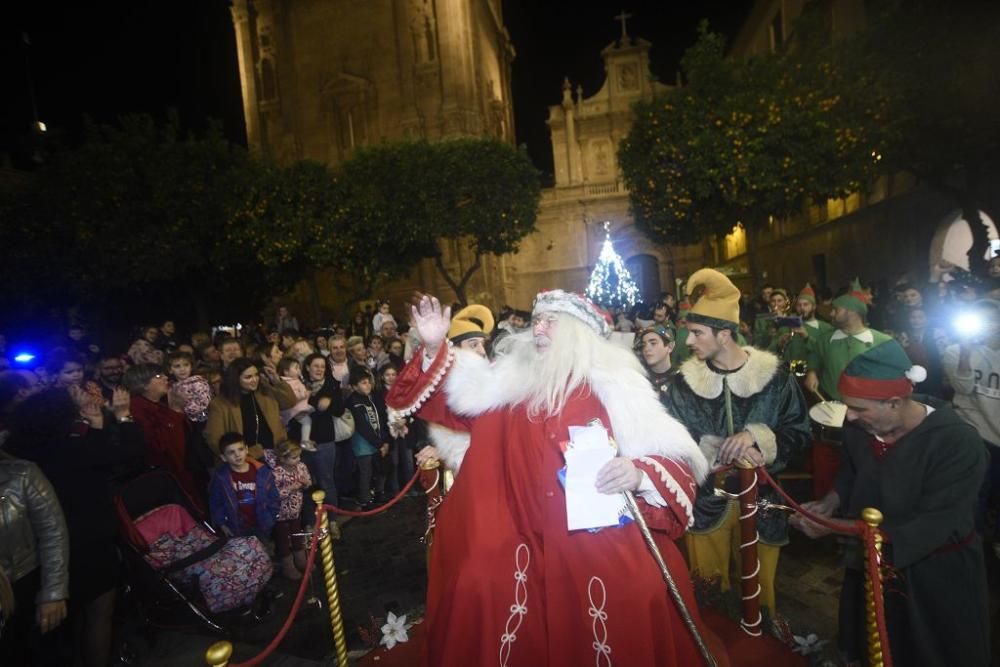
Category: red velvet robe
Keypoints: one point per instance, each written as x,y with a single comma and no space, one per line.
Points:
510,585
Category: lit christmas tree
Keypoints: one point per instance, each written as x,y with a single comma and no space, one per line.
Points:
611,285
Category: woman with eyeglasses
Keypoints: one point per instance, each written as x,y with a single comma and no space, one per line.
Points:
250,402
159,412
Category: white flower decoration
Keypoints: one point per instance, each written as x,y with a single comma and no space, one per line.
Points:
394,630
808,645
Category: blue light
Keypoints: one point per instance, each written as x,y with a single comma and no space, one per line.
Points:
24,357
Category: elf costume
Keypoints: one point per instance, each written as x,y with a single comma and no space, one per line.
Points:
926,484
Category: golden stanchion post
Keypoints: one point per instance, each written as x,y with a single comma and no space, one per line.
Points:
219,653
330,577
873,518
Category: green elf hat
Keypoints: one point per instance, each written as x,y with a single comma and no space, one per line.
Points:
807,294
856,299
880,373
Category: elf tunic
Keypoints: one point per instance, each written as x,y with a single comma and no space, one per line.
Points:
829,355
926,486
766,401
509,584
797,347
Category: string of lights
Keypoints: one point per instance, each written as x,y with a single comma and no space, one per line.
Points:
611,285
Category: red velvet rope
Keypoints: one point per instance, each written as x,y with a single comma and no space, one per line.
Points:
867,533
858,529
377,510
278,638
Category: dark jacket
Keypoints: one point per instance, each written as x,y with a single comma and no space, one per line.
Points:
32,529
371,421
926,485
224,508
767,402
322,420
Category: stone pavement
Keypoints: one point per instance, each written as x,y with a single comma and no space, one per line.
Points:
381,567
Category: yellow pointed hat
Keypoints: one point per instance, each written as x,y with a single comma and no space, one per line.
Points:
472,321
718,299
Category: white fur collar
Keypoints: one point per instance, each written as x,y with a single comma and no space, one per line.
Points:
640,424
747,381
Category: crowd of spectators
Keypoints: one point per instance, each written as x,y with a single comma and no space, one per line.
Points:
249,420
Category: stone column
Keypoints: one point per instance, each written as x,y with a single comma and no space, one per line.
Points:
572,150
240,11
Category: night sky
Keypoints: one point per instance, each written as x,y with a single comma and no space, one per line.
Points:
145,56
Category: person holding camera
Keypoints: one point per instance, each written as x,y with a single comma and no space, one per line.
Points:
793,342
972,368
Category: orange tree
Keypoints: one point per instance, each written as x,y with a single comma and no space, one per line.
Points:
750,138
401,199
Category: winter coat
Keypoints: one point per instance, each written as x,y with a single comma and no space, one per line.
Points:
224,416
224,508
290,483
371,423
32,529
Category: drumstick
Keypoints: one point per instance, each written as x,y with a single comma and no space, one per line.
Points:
819,395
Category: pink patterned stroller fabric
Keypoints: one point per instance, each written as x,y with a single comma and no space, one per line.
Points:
228,577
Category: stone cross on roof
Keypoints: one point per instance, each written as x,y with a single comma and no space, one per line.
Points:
623,17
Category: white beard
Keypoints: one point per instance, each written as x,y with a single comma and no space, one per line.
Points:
577,359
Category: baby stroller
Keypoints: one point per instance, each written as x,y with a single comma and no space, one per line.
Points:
181,570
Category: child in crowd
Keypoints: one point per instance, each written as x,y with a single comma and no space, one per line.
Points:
371,433
243,497
383,315
291,477
290,370
194,389
398,463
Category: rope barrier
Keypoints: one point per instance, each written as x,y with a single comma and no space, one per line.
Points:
857,528
871,537
399,496
293,612
310,562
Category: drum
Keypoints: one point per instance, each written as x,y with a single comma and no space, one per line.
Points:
827,420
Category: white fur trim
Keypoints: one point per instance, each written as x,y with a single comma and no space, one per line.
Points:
451,445
639,422
747,381
765,440
431,385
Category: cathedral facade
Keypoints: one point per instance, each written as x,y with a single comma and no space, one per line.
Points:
323,77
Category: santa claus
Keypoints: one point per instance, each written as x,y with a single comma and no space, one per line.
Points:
509,583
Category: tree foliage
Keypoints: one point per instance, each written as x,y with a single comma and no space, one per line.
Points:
749,138
142,222
401,199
